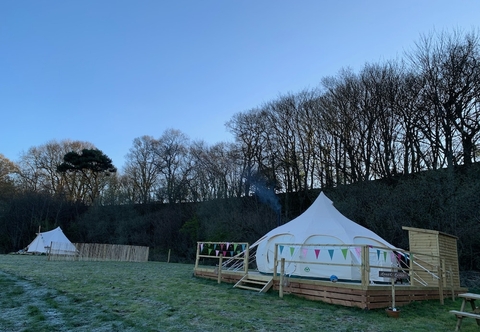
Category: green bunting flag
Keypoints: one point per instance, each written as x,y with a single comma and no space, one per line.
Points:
292,250
344,252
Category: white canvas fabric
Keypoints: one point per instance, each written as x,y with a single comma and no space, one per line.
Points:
322,225
55,239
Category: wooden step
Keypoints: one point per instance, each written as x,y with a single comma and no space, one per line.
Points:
247,282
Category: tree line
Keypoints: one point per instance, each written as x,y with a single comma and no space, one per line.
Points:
401,117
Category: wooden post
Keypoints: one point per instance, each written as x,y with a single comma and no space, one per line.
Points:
220,262
365,267
198,256
245,261
411,271
275,262
440,284
168,259
392,281
282,273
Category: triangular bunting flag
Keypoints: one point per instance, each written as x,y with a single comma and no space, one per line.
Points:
358,250
317,252
228,245
344,252
392,256
201,247
292,250
209,251
216,252
378,254
221,246
243,247
215,246
304,252
231,253
281,249
224,253
330,252
385,256
235,247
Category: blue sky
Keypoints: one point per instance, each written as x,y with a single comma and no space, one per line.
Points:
108,71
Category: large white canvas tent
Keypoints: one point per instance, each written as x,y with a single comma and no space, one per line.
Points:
324,238
53,241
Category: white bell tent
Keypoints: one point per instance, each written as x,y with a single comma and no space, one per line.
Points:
313,243
53,241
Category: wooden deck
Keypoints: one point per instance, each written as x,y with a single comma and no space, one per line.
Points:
347,294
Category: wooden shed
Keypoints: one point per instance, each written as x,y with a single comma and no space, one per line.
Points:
433,251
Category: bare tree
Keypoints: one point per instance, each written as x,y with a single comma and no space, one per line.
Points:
141,169
450,66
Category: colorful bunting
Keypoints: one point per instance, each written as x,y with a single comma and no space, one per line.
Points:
304,252
281,249
330,252
216,251
385,256
235,247
344,252
378,254
292,250
317,252
209,251
358,250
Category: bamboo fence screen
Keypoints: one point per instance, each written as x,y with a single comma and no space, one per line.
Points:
102,252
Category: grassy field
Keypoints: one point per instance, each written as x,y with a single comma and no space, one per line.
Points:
39,295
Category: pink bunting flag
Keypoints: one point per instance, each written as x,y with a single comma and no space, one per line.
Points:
304,252
358,250
392,256
317,252
224,254
221,246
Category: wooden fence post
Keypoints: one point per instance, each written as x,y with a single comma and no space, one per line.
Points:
440,282
275,262
282,272
198,256
168,259
220,262
365,273
245,262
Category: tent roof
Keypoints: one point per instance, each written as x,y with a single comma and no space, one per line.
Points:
45,239
322,218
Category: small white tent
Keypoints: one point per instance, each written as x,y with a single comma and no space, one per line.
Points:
304,243
52,241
